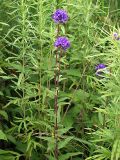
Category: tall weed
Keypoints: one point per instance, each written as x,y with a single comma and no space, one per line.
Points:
88,114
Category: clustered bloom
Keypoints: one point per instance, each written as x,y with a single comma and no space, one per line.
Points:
100,69
60,16
62,42
100,66
116,36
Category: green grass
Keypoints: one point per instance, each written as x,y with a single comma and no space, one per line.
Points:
88,114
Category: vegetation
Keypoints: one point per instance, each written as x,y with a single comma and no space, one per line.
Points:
88,100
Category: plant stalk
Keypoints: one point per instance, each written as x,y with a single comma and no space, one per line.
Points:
56,82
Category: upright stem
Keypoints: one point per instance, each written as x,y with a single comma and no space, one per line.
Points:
23,50
56,109
56,81
57,75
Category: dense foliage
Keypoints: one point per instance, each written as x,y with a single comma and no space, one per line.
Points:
88,115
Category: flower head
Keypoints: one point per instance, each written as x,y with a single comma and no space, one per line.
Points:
100,69
116,36
62,42
100,66
60,16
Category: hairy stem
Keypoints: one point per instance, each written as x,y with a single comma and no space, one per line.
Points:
56,81
56,109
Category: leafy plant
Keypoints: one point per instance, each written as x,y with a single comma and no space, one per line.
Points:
88,105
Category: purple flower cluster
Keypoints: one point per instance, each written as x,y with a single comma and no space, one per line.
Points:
100,70
62,42
100,66
116,36
60,16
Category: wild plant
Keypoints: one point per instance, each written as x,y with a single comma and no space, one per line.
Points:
59,103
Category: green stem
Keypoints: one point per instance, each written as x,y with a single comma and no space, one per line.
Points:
56,81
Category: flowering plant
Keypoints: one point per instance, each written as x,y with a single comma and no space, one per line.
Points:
60,16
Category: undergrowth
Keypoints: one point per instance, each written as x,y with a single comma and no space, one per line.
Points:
88,104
